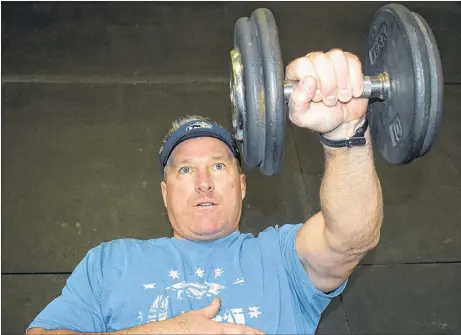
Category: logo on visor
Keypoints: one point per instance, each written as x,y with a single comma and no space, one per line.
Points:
199,125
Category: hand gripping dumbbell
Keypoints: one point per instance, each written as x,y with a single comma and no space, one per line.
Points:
403,81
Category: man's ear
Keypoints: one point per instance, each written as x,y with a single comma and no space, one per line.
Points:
164,193
243,185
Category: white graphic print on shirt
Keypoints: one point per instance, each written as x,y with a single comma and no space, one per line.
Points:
159,309
197,290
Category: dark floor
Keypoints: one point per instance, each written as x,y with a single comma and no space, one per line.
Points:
88,91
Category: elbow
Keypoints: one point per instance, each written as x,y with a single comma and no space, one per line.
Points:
370,241
364,246
357,242
370,236
374,242
353,246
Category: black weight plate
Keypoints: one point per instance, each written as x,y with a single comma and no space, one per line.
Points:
395,45
436,79
273,90
246,42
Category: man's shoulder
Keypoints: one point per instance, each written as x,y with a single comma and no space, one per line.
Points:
280,229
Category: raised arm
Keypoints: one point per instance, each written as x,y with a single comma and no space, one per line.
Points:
332,242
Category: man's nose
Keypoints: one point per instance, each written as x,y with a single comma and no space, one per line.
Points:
204,182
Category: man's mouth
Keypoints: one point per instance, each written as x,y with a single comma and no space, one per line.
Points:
205,204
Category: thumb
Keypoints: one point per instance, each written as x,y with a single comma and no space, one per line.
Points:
212,309
300,102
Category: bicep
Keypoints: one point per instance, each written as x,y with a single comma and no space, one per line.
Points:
326,267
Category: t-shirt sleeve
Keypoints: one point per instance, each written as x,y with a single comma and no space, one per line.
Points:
78,308
309,297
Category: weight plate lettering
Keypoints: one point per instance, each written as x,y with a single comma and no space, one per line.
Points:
395,45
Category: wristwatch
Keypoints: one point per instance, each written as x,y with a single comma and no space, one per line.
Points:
358,139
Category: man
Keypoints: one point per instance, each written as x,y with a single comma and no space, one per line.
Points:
209,277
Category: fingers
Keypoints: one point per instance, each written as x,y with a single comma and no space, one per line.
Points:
341,68
304,92
212,309
355,74
299,69
338,76
302,68
301,99
327,77
239,329
215,327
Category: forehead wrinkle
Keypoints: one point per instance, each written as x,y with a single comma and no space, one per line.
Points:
221,157
190,158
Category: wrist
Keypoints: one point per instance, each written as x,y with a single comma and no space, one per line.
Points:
348,135
345,130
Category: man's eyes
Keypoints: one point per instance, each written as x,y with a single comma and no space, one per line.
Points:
185,169
188,169
219,166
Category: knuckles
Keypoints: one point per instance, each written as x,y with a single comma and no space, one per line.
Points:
352,57
332,70
300,66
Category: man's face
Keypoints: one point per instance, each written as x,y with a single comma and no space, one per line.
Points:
203,190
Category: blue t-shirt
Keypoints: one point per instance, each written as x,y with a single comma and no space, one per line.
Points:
124,283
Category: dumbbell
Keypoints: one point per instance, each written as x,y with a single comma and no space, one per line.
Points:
403,81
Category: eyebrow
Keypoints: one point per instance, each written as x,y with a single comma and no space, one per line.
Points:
215,158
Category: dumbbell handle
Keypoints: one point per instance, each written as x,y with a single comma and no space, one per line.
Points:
374,87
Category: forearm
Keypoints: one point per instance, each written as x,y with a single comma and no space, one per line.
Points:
135,330
161,327
351,198
40,331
